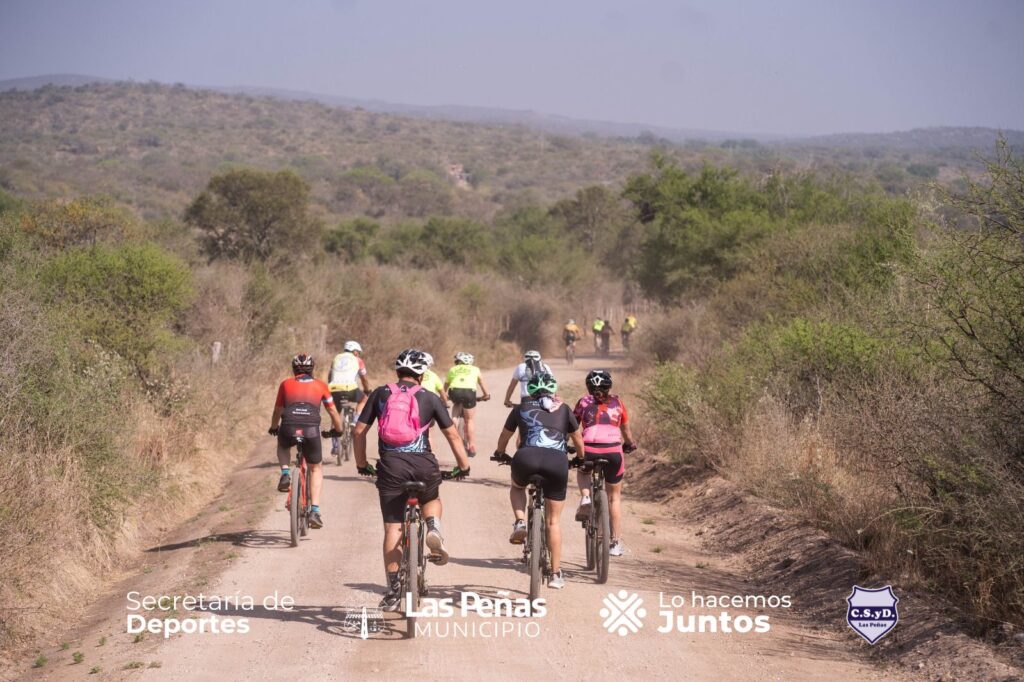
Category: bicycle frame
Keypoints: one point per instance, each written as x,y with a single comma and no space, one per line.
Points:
299,498
596,528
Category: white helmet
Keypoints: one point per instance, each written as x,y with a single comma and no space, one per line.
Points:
531,355
413,360
430,358
572,321
464,358
352,347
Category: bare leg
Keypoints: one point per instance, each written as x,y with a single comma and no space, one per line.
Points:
467,414
553,518
317,479
392,552
583,480
615,506
517,496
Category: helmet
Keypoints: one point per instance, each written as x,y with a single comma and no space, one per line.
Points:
352,347
464,358
429,358
303,364
542,384
599,380
572,321
531,355
413,360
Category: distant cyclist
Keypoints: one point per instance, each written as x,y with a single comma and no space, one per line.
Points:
404,412
297,410
544,424
596,328
606,337
531,366
571,333
432,382
628,327
461,383
348,381
606,434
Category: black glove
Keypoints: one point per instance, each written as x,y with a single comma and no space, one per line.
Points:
459,473
273,430
333,433
576,462
500,457
629,446
367,470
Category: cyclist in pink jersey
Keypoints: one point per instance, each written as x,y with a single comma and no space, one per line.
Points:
606,435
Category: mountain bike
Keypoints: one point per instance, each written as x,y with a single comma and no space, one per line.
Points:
535,551
459,417
597,526
570,350
300,500
412,572
343,443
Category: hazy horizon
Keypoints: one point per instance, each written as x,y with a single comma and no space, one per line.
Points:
791,68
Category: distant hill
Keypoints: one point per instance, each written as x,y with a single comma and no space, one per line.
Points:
918,139
59,79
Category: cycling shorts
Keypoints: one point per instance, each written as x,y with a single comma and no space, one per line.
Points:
463,396
353,397
616,467
547,462
396,468
312,451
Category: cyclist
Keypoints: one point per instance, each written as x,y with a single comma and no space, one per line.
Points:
628,327
606,336
543,424
531,366
596,328
606,434
296,409
431,381
404,413
348,381
461,383
571,333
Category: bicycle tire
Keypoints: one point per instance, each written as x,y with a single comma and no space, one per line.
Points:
412,563
590,540
536,553
603,537
306,502
294,504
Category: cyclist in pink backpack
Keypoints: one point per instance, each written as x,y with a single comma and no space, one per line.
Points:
404,411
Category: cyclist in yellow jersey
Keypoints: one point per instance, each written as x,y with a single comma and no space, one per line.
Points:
432,382
461,382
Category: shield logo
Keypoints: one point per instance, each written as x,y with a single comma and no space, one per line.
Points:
872,613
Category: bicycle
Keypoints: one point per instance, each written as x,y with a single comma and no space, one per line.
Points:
535,551
343,443
459,417
299,513
570,350
597,527
412,572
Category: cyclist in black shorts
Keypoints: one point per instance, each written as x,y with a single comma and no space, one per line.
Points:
544,423
411,460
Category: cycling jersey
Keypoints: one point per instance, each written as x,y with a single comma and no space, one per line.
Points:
598,325
629,324
601,422
300,397
463,376
432,382
345,372
573,330
540,428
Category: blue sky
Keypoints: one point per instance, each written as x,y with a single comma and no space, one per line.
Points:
784,66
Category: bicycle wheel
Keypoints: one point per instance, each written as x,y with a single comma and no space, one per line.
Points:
589,539
536,553
602,540
413,551
306,502
294,508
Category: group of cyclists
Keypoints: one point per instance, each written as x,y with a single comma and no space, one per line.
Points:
602,330
406,409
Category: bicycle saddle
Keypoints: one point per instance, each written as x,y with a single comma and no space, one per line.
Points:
414,486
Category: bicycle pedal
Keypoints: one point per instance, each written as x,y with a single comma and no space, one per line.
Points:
434,558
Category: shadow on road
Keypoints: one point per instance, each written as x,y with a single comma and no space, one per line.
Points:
245,538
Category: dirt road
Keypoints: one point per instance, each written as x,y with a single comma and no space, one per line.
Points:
337,571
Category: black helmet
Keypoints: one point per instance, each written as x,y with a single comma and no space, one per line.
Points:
303,364
599,380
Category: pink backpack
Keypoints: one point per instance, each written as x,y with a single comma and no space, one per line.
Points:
400,423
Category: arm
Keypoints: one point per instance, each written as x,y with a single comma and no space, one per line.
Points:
365,381
577,440
503,440
335,417
508,394
483,389
451,434
359,443
275,418
627,434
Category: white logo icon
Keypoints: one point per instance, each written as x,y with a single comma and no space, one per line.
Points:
623,613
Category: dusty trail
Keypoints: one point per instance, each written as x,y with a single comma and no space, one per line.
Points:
338,569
